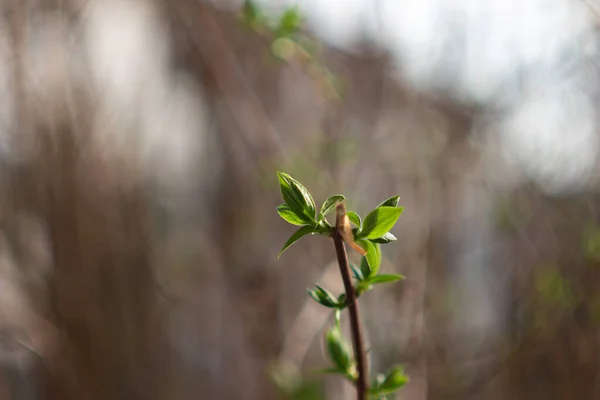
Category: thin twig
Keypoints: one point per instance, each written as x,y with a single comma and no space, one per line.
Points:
357,338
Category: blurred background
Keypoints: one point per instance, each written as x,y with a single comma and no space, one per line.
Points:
139,141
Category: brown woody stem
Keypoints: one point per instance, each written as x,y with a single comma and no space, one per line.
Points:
355,325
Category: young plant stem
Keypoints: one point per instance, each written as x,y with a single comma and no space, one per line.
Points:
355,325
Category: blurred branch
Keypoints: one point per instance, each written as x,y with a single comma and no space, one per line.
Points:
255,127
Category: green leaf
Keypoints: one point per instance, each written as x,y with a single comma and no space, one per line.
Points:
289,216
386,238
252,14
365,269
393,381
384,278
323,297
355,219
329,204
338,349
391,202
297,198
283,48
290,22
341,301
372,258
303,231
362,287
379,221
357,272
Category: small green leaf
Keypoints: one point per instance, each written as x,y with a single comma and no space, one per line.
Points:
290,22
384,278
372,258
391,202
284,48
323,297
355,219
289,216
357,272
329,204
341,301
379,221
393,381
297,198
338,349
365,269
252,14
386,238
303,231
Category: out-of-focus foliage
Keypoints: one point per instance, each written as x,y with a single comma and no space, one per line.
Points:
139,242
291,44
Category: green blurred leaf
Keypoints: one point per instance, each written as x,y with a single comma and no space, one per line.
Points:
384,278
391,202
283,48
592,244
357,272
297,197
355,219
291,386
386,238
308,391
337,319
393,381
323,297
341,301
290,22
554,288
303,231
338,350
252,12
372,258
365,268
329,204
289,216
379,221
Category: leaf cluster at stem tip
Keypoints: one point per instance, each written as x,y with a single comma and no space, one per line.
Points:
299,209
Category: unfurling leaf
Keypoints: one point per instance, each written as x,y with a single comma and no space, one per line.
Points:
379,221
391,202
329,204
357,272
386,238
372,258
338,350
355,219
323,297
393,381
303,231
297,198
289,216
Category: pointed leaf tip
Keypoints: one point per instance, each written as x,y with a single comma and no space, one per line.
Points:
303,231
